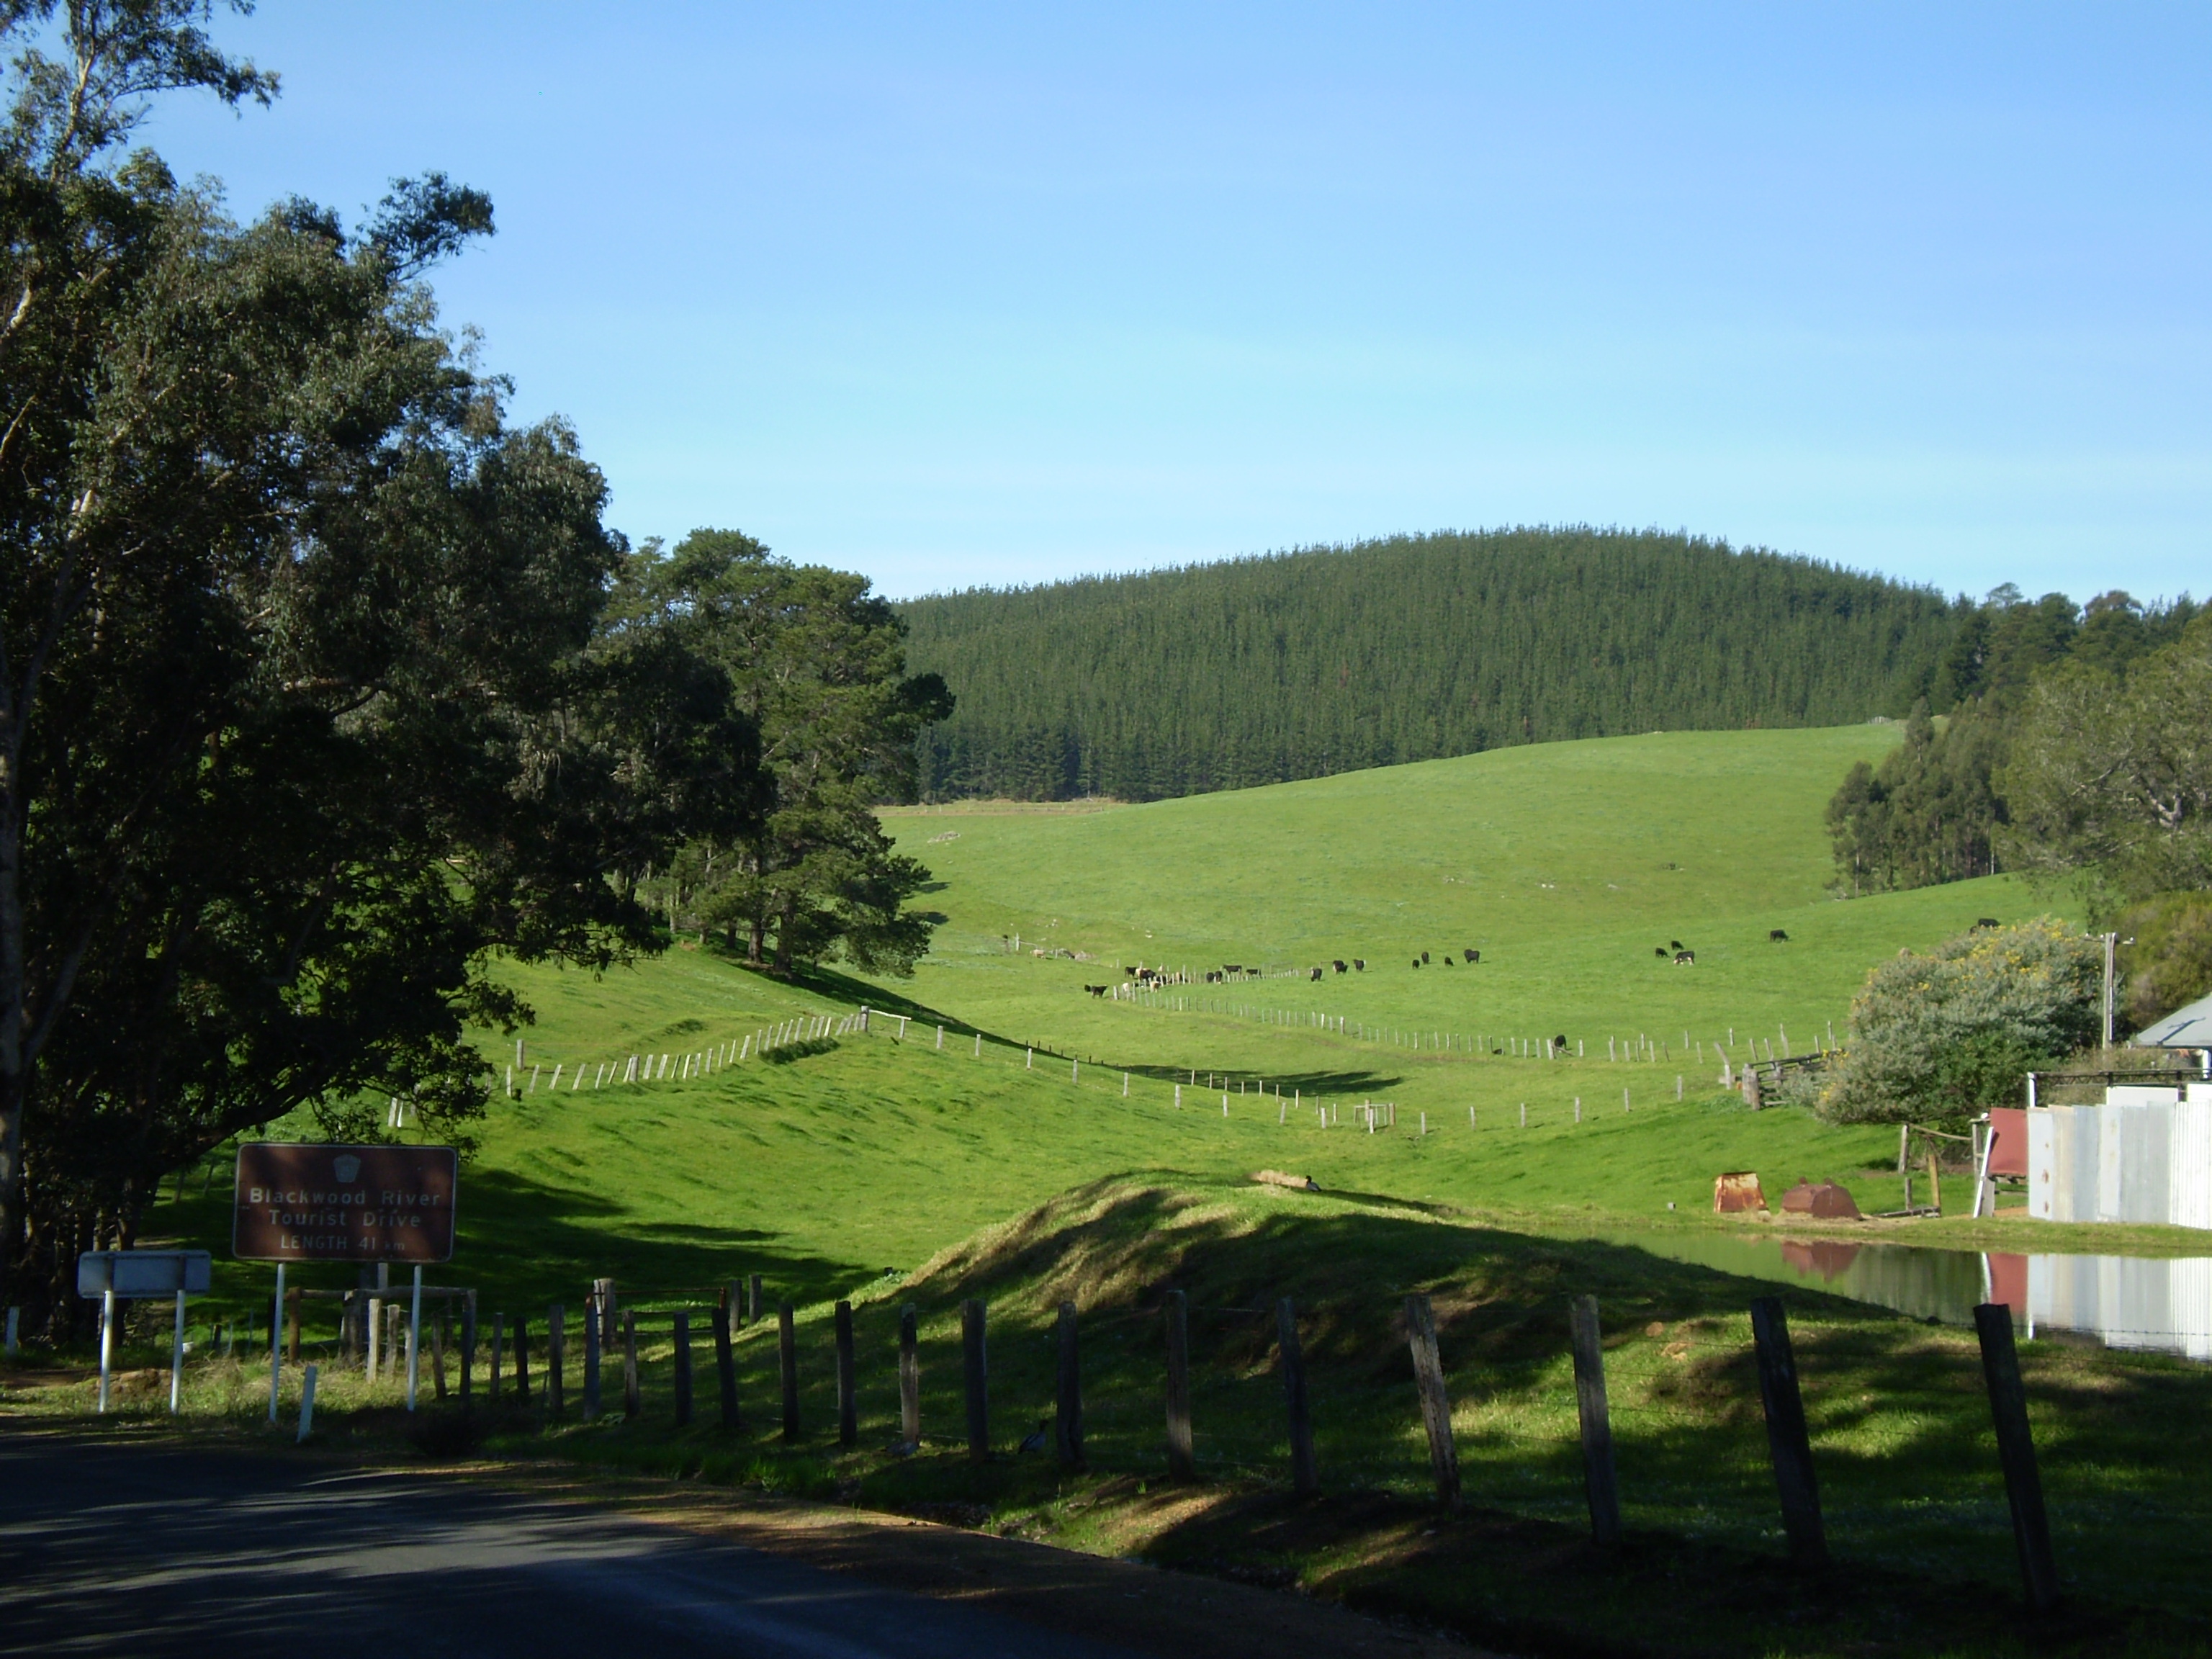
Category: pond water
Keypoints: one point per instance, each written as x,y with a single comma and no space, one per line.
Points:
2163,1305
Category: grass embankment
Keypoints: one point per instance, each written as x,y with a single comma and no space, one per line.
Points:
1911,1486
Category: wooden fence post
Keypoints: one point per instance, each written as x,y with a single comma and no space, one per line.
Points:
1067,1428
974,1377
725,1363
1787,1442
468,1348
1436,1402
682,1320
555,1332
2030,1528
752,1298
1598,1476
1305,1478
1182,1464
603,1295
787,1362
632,1395
498,1340
910,1373
591,1358
848,1405
522,1359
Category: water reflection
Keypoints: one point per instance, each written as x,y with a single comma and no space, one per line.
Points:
2163,1305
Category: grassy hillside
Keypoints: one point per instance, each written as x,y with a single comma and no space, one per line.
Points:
1330,660
1566,865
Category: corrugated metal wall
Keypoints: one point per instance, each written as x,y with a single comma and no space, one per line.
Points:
2144,1156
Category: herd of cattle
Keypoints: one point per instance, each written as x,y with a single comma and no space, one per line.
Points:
1681,955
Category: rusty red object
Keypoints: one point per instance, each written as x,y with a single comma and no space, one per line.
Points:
1737,1192
2008,1141
1828,1201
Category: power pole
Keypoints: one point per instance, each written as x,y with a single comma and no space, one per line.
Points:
2110,940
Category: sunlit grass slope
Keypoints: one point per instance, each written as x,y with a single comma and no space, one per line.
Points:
1567,864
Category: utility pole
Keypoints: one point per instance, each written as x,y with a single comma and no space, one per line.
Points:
2110,940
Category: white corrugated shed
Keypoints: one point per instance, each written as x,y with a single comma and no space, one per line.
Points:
2145,1155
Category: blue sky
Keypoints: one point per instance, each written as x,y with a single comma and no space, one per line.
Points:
988,295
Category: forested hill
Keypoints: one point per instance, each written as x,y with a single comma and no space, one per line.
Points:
1328,659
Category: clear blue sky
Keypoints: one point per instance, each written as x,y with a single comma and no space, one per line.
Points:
988,295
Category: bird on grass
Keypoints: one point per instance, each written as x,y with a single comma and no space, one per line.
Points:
1036,1442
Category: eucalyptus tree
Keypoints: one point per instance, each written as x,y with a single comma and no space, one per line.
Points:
302,715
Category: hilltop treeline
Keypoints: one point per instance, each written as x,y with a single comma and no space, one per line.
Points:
1329,660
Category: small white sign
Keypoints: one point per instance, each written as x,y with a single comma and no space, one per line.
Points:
143,1273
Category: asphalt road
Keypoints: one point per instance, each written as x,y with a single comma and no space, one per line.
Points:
111,1547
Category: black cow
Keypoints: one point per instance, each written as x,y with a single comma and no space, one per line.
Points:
1472,956
1316,973
1658,950
1776,935
1128,971
1337,964
1425,956
1986,922
1559,1042
1417,961
1673,945
1359,964
1096,990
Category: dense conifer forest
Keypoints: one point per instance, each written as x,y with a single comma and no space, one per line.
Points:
1332,658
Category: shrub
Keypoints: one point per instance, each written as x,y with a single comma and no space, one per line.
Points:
2165,952
1941,1037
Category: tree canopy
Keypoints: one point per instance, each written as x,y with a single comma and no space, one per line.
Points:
306,703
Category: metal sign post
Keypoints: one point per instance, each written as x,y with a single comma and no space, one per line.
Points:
121,1275
331,1203
276,1343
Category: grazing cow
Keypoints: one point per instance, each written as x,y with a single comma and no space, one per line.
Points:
1338,963
1096,990
1685,959
1425,956
1559,1043
1417,961
1673,945
1128,971
1658,950
1316,973
1232,968
1472,956
1448,962
1986,922
1777,936
1359,964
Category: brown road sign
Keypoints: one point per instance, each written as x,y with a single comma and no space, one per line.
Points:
309,1203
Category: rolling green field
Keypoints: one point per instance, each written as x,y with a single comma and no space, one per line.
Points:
1051,1144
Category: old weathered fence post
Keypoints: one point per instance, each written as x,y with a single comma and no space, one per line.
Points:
910,1373
848,1405
592,1359
603,1294
1181,1463
2030,1528
468,1348
682,1335
786,1346
725,1364
1598,1475
522,1359
556,1336
498,1341
632,1402
752,1298
1067,1426
1786,1439
974,1377
1305,1478
1436,1403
